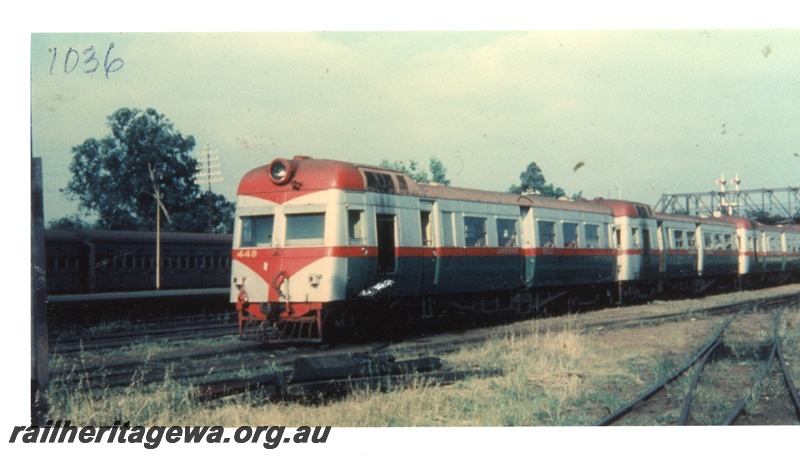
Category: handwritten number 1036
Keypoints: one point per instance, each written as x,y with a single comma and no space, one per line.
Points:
89,59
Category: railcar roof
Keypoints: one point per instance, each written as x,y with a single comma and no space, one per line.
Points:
722,221
676,217
321,174
431,191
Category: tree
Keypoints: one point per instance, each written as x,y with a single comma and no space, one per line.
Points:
73,222
532,181
214,213
438,173
111,177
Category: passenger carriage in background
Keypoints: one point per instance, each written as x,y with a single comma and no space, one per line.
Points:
322,245
83,262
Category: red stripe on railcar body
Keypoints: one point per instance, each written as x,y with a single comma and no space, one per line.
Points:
569,252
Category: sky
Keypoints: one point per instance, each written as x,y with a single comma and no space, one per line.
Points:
645,111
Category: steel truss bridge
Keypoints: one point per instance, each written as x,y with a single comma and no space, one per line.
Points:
779,205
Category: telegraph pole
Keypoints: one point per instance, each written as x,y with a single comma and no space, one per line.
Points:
208,172
155,175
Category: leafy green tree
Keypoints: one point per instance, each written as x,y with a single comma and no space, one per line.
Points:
213,210
73,222
532,181
438,173
411,169
111,177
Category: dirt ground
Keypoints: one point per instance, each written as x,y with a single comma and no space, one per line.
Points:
725,381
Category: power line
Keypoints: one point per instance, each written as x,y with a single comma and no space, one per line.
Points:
208,171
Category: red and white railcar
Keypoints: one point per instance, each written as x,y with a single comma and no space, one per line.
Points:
320,243
323,245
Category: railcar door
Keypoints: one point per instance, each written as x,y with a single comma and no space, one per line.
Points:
663,244
647,263
386,244
358,267
428,252
756,258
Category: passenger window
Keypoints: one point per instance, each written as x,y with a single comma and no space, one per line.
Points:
355,227
690,240
677,239
728,242
425,228
401,183
570,234
448,236
547,234
506,232
256,231
474,232
379,182
707,242
305,229
635,238
592,236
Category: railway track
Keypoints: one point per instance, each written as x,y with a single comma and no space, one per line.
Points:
223,361
453,341
118,334
776,359
723,379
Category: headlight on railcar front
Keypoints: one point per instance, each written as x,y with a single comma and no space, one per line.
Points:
280,171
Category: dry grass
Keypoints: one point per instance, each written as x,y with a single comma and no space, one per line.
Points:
790,333
545,381
575,376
